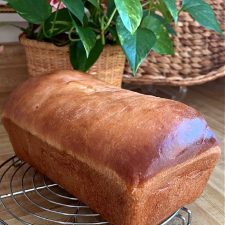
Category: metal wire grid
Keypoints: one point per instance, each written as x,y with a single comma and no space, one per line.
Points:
37,198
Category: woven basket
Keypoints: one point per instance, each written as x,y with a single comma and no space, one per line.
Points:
199,55
43,57
6,9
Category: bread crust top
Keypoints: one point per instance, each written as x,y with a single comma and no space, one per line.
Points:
133,135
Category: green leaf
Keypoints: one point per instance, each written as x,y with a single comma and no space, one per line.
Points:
93,12
110,7
78,57
164,44
191,3
167,25
170,29
94,3
136,46
76,7
63,23
202,13
130,12
87,36
33,11
161,6
171,5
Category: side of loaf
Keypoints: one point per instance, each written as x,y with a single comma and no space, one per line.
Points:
124,154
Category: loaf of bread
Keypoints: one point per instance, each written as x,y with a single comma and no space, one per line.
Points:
133,158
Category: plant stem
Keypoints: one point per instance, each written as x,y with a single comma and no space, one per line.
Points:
39,33
70,35
43,29
144,4
102,30
56,13
150,6
104,27
103,37
95,29
110,19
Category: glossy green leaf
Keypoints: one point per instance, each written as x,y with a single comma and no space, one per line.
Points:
171,5
87,36
63,23
33,11
170,29
94,3
161,6
136,46
130,12
164,44
202,13
78,57
167,25
76,7
110,7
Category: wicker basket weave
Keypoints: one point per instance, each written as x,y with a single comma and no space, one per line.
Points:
6,9
199,55
43,57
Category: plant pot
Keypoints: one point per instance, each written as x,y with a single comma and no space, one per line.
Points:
44,57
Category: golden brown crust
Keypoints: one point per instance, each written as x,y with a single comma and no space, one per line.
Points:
132,135
145,205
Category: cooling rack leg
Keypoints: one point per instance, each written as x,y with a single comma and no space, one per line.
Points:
189,214
175,93
2,222
183,92
182,219
16,162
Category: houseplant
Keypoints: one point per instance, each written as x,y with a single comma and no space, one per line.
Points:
87,26
199,55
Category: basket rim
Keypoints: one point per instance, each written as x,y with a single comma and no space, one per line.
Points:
27,42
6,9
189,81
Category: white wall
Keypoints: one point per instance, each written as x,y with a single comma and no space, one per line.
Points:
9,33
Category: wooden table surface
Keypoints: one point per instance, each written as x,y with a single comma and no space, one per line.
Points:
209,99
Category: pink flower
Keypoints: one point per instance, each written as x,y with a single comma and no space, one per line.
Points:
55,3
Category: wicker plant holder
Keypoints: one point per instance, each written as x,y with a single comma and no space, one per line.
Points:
199,56
6,9
43,57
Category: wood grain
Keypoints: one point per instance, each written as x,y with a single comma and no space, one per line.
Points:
209,99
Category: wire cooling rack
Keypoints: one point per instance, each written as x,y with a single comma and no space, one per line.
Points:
31,198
